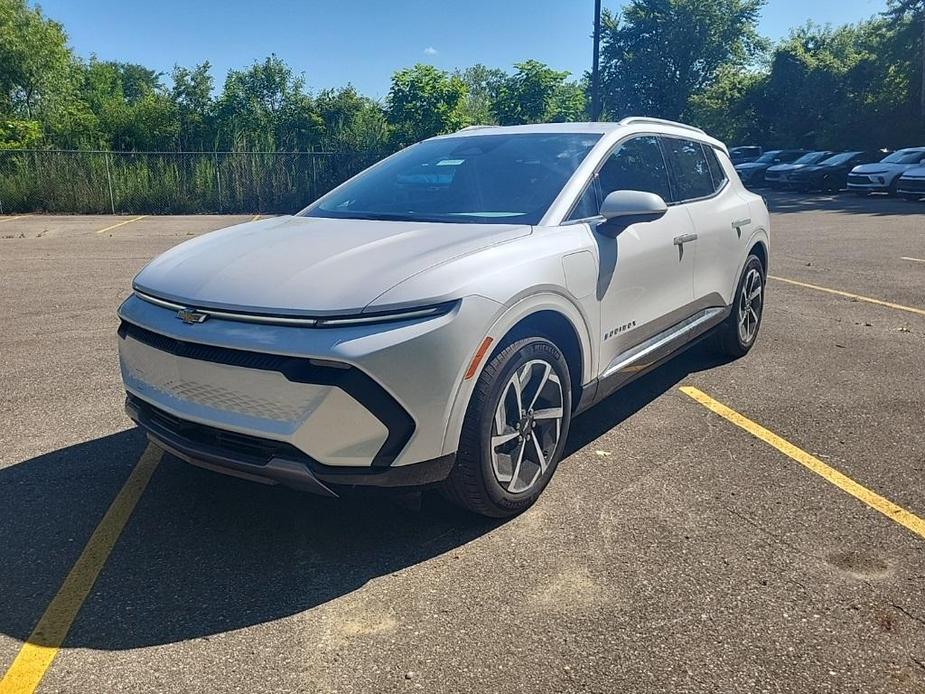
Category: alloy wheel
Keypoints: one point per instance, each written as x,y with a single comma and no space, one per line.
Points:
750,304
527,426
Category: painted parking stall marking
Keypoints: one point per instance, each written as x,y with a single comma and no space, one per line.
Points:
849,295
810,462
913,260
127,221
10,219
40,649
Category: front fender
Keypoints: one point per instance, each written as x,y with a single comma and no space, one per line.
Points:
583,322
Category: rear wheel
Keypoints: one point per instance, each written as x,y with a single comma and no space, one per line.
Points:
737,334
514,431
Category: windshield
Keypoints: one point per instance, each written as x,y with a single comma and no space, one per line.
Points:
482,179
904,156
838,159
812,157
767,157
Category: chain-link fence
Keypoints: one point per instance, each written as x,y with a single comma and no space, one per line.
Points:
96,182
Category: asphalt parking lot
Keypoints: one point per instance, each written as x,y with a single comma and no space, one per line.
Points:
674,551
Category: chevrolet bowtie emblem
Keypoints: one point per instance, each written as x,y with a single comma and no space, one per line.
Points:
191,316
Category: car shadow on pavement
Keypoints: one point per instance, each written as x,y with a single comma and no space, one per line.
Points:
780,202
205,554
202,553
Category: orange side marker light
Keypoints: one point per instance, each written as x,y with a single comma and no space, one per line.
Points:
477,359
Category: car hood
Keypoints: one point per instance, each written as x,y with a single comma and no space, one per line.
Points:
881,168
783,168
304,265
917,172
751,166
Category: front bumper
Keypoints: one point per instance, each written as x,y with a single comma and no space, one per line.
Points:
352,402
868,183
267,461
911,186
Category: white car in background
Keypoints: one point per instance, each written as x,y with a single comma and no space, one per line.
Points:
912,184
883,177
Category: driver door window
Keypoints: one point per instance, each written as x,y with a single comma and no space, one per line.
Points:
637,164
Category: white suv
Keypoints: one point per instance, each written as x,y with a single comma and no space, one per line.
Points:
440,318
883,177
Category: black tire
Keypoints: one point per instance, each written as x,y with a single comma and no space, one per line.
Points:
472,484
728,338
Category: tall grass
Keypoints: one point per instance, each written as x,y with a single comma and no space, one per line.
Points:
84,182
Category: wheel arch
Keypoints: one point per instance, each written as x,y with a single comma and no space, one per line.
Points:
548,315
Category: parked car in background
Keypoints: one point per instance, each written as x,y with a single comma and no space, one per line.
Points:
831,175
752,173
779,176
745,154
883,177
429,320
912,184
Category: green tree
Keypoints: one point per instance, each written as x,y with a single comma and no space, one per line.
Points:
657,54
38,76
424,101
130,107
536,93
191,93
482,86
265,106
914,12
352,122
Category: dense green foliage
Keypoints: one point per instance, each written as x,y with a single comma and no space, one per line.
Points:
696,60
702,61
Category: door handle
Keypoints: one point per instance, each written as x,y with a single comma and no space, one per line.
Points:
684,238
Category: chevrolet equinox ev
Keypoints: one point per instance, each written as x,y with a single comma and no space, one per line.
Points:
440,318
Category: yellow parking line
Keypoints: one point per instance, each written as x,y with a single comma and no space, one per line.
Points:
255,218
40,649
914,260
127,221
843,482
10,219
856,297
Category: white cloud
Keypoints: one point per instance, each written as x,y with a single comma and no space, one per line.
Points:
430,50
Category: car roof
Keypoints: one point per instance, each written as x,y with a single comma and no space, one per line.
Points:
609,130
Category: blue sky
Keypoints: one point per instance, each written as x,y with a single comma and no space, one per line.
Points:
364,41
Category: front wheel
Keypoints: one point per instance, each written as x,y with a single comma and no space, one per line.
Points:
514,431
736,335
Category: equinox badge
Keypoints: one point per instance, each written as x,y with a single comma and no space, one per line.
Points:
191,316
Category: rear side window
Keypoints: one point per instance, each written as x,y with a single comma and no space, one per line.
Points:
691,170
716,170
637,164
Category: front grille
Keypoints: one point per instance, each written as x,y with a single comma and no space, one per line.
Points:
914,185
244,447
858,180
351,380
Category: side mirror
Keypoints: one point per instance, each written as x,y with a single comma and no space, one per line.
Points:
622,208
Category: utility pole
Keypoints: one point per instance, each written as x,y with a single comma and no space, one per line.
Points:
596,65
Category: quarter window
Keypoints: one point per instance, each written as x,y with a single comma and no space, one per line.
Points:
716,170
690,167
587,205
637,164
